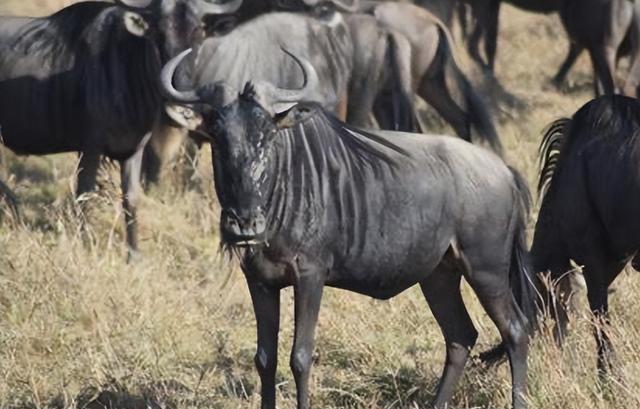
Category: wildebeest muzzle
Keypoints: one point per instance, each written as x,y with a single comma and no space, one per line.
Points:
243,228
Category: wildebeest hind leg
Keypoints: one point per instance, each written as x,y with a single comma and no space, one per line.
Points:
442,292
435,92
131,189
603,60
574,52
266,306
501,306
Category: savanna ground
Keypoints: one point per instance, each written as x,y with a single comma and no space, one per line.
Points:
81,328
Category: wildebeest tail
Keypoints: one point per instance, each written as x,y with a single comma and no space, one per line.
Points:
399,59
521,275
477,110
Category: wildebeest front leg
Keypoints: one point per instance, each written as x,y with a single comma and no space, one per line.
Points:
598,276
131,189
87,172
266,306
307,293
442,291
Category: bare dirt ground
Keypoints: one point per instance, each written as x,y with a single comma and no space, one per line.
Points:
80,327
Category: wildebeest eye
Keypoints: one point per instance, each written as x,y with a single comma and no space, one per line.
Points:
221,25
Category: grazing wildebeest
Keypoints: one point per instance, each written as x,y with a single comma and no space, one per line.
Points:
435,74
85,79
590,192
309,201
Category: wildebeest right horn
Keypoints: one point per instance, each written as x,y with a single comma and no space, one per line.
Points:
231,6
166,77
350,6
283,96
136,4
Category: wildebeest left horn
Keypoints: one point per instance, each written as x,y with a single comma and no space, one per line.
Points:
283,96
136,4
166,77
231,6
350,6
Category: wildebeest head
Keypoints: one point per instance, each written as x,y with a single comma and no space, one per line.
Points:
172,25
243,129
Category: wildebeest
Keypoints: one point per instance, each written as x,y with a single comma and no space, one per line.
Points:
370,64
590,192
309,201
435,74
85,79
486,14
599,26
252,52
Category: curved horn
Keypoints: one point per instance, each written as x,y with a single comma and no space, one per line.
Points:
231,6
166,78
349,6
135,4
311,81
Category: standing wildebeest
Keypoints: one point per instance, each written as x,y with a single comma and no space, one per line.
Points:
308,201
486,14
600,26
434,73
590,192
85,79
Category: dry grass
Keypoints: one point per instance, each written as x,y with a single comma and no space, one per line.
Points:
80,327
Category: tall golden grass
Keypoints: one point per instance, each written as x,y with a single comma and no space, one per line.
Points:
79,327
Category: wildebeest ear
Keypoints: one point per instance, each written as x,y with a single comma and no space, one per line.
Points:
183,116
293,116
135,23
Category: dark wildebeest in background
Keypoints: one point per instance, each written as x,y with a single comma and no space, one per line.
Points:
590,192
85,80
486,15
434,72
600,26
308,201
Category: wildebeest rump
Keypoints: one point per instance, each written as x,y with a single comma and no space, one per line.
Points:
590,191
308,201
435,74
86,80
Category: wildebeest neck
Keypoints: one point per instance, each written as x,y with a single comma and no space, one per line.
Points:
319,174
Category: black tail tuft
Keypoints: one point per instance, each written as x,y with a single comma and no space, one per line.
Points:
398,57
521,276
479,115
